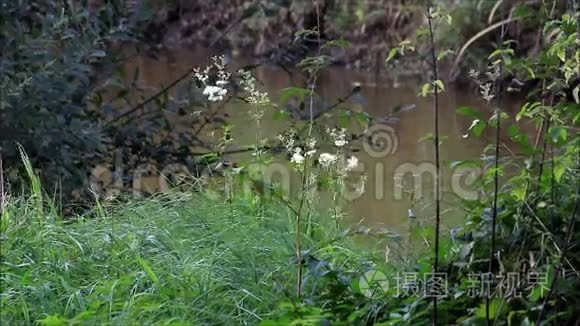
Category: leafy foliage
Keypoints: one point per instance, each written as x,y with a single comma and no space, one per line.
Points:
67,99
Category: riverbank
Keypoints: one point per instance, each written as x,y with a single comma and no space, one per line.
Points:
285,32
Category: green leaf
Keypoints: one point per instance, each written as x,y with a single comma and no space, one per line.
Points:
425,89
496,308
281,115
559,170
523,11
147,269
518,193
501,52
514,131
439,85
293,92
477,127
558,134
561,53
529,70
469,112
443,54
522,112
344,119
392,53
362,117
54,320
536,294
449,19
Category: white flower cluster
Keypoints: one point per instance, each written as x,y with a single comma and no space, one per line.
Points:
493,72
351,163
338,161
343,164
486,83
297,157
248,84
338,136
485,90
327,159
288,139
218,91
298,154
214,93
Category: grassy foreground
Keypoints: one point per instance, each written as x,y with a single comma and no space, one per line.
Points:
167,261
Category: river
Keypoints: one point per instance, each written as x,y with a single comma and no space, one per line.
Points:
387,200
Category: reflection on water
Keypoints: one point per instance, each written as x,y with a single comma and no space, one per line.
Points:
383,202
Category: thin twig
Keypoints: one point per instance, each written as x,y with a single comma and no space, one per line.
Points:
493,10
437,161
165,90
543,156
495,172
305,179
151,99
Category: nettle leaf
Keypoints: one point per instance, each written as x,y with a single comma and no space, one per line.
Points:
476,128
361,117
426,89
493,118
343,118
406,45
469,112
559,170
448,18
523,112
558,134
439,85
501,52
293,92
443,54
514,131
281,115
392,53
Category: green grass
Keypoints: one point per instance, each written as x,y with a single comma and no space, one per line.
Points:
171,260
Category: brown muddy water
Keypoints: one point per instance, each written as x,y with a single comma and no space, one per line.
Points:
387,197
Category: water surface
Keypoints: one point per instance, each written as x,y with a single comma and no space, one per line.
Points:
383,202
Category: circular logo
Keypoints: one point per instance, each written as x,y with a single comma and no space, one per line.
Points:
373,284
381,140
